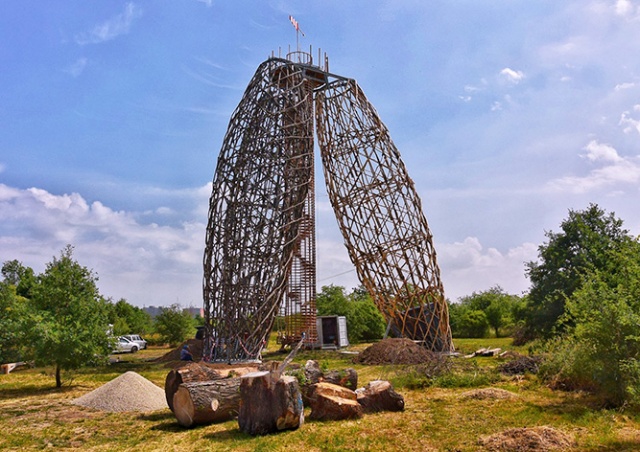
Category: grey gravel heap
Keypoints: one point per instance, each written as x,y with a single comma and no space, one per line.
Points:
129,392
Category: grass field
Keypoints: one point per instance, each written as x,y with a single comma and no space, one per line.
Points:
35,415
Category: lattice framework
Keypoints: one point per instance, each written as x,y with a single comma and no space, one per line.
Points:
259,256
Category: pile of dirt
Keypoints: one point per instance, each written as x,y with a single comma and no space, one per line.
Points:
521,365
527,439
394,351
488,393
129,392
195,347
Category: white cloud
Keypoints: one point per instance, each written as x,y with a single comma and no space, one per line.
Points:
630,124
598,151
144,263
626,85
467,267
614,172
511,75
626,8
111,28
77,68
209,3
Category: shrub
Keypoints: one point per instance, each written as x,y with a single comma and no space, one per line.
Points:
602,351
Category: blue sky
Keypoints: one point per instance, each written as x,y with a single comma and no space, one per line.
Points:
507,115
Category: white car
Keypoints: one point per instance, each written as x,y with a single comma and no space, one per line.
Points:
124,345
142,344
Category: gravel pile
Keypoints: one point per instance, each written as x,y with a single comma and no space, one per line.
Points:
129,392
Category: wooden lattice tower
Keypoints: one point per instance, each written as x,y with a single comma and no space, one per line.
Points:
259,258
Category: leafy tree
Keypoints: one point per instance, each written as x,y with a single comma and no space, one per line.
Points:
495,304
129,319
371,324
16,274
601,350
174,324
472,323
582,246
333,301
13,310
364,320
68,327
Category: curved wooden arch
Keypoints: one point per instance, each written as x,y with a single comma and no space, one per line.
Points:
259,255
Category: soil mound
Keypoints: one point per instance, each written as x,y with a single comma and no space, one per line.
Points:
394,351
488,393
521,365
129,392
195,346
527,439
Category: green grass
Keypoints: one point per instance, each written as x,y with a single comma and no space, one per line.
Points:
35,415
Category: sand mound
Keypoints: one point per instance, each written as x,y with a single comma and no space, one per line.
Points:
394,351
195,346
129,392
488,393
527,439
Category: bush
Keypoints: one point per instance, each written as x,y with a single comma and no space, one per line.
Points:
472,323
602,351
445,372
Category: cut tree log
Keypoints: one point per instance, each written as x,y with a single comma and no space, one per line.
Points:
333,402
194,372
191,372
379,395
270,402
207,402
347,378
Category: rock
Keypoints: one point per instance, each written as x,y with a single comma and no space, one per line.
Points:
379,395
332,402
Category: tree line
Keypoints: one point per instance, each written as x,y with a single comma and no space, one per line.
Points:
59,318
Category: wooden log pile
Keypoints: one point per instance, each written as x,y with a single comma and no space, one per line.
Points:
206,402
266,401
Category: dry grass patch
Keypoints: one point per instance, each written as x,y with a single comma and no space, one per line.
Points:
528,439
488,393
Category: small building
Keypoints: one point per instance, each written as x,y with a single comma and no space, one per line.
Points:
332,332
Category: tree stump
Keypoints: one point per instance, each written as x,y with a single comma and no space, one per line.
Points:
347,378
207,402
379,395
269,403
192,372
333,402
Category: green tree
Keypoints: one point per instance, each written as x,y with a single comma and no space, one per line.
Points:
68,328
601,350
13,311
16,274
364,320
496,305
174,324
129,319
582,246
